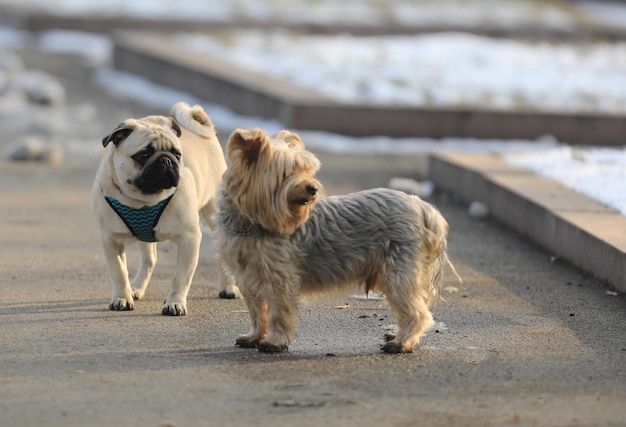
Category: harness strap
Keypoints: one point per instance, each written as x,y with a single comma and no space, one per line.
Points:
140,222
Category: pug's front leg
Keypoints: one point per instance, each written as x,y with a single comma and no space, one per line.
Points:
146,268
122,298
188,254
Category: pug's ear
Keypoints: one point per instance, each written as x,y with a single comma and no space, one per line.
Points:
176,128
118,135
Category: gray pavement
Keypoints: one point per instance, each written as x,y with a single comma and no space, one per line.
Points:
526,340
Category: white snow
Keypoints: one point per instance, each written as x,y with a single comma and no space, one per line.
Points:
599,173
422,189
435,70
478,210
464,13
139,89
96,48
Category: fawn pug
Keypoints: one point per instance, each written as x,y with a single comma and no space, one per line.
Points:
157,176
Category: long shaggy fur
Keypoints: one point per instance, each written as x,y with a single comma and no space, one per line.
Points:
281,238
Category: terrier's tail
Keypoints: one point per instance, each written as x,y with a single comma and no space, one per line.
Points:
459,278
435,247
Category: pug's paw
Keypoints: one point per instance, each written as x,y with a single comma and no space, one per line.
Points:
121,304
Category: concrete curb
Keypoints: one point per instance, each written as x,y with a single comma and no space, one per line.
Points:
33,20
576,228
163,61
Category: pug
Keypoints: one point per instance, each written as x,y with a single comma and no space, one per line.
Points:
157,177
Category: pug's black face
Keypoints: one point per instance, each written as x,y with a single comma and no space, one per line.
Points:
159,169
147,155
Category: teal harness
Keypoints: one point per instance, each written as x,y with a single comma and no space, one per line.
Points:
140,222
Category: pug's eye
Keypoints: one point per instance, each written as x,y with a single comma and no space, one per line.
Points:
142,157
176,154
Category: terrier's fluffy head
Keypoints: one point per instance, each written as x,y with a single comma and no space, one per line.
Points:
271,179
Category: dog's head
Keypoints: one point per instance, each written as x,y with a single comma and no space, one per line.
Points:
146,156
271,179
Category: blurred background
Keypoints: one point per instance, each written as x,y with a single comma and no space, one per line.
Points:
364,76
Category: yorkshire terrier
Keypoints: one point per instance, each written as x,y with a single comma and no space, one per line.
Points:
281,238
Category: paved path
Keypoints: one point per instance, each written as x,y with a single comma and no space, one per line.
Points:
526,340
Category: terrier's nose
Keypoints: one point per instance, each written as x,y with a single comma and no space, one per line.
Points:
311,189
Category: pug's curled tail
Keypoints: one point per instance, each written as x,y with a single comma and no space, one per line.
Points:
194,119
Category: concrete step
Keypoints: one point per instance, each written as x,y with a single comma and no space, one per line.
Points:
582,231
158,58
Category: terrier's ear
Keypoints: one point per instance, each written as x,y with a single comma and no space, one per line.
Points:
250,142
118,135
290,138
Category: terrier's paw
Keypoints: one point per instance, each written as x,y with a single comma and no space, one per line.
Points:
396,347
121,304
268,347
230,292
246,341
390,336
224,294
174,309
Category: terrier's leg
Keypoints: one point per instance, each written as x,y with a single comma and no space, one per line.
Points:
283,321
410,311
227,285
257,308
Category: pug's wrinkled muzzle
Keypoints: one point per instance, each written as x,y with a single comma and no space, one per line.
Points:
159,173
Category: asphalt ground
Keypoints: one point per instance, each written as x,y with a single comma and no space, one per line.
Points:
526,340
